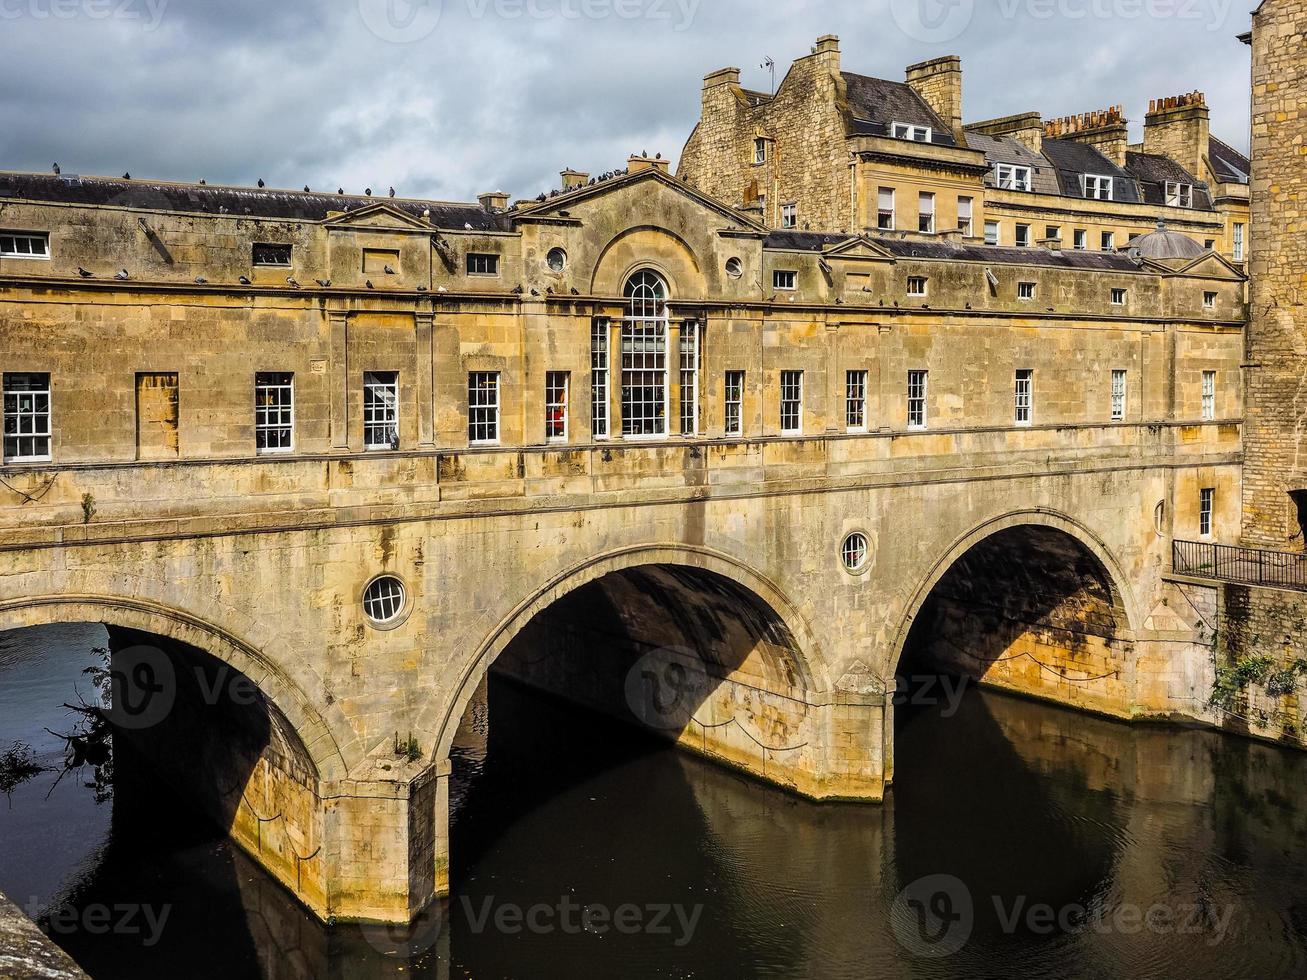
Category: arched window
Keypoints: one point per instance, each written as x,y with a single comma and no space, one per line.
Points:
644,356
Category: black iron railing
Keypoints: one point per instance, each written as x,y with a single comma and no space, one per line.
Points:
1246,566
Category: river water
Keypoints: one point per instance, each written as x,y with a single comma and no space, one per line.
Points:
1019,840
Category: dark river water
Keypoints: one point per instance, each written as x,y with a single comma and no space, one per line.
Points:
1019,840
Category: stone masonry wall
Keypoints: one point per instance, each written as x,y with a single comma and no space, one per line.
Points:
1277,335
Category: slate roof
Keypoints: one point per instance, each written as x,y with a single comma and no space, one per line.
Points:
1230,165
907,248
804,241
1153,172
238,201
1072,159
877,103
1009,149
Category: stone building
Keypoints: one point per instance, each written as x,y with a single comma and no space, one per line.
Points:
831,149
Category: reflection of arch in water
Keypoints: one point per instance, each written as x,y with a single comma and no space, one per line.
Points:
234,737
1033,602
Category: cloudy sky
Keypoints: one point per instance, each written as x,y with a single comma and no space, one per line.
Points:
447,98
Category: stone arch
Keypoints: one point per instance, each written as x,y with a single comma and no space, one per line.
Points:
317,737
652,247
1122,596
809,661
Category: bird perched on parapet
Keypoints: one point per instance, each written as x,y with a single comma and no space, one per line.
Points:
441,289
122,274
575,291
467,226
368,283
535,292
925,306
261,183
290,281
306,189
84,274
968,306
222,209
658,156
839,300
388,270
340,190
367,191
518,290
203,182
422,289
549,290
56,170
896,304
201,281
392,192
324,283
245,281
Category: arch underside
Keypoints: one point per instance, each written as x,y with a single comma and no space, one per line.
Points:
1033,609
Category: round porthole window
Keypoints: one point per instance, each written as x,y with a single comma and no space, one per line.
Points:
384,601
734,268
556,260
855,552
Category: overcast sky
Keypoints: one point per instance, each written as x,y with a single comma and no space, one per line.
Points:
448,98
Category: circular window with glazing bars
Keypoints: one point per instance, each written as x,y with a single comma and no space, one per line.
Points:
556,260
384,600
734,268
854,552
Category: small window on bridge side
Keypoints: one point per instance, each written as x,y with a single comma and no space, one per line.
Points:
384,601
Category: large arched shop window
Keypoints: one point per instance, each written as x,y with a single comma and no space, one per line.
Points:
644,356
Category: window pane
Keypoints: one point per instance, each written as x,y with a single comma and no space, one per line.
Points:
381,410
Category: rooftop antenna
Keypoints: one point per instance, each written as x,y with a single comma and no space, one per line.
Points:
770,64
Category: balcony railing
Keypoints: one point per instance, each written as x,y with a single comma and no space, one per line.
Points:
1245,566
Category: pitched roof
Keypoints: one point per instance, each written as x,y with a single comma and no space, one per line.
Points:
1073,160
1154,172
238,201
877,103
913,248
1009,149
1230,165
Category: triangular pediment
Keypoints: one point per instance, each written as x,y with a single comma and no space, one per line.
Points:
857,249
379,216
1211,265
634,186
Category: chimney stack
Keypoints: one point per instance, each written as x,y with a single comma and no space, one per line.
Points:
638,164
1027,128
572,179
939,83
1104,129
1179,127
827,51
493,201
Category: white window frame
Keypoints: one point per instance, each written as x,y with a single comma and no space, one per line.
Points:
1240,231
274,418
11,242
923,282
760,151
1012,177
380,410
1179,195
733,400
855,401
997,237
558,402
1107,241
912,132
483,408
1209,396
1024,396
791,403
29,412
926,213
778,282
790,215
1120,394
1080,239
600,342
1120,295
1026,291
883,213
646,332
690,351
483,265
1097,187
966,215
918,395
1209,300
1206,511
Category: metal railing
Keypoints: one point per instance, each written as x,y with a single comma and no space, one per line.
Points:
1245,566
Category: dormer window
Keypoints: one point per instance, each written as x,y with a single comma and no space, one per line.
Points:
760,151
1009,177
1179,195
907,131
1096,187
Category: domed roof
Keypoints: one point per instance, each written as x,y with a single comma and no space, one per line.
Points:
1163,244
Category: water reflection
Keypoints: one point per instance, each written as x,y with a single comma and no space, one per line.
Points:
1020,805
